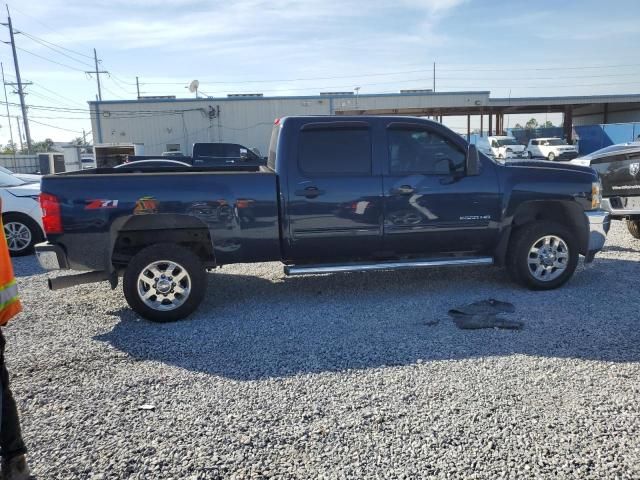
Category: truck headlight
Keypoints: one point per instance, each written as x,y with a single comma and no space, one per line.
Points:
596,195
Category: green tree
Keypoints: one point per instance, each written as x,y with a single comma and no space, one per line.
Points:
547,124
531,124
518,126
10,148
41,147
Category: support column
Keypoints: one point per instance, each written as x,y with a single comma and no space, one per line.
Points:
481,124
605,113
490,123
468,128
567,123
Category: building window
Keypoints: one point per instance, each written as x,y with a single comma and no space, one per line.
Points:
173,147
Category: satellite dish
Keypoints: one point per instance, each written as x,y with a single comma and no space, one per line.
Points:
193,86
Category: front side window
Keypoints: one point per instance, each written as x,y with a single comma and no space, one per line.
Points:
423,151
344,151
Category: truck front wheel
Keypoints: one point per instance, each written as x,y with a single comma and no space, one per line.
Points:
634,228
164,282
542,255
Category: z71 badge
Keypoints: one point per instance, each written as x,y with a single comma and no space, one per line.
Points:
100,204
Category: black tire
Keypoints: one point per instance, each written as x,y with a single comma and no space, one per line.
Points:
634,228
522,241
163,253
551,157
18,220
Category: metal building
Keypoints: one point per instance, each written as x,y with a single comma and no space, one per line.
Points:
165,124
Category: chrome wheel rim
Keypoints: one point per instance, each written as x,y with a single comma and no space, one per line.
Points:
164,285
18,236
548,258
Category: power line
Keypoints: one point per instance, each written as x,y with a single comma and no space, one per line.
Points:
57,50
364,75
55,126
49,60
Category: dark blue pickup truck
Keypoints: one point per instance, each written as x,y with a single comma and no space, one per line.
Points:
339,194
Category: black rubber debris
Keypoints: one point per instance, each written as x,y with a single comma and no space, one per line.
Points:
485,314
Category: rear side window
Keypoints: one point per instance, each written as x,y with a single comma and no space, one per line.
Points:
344,151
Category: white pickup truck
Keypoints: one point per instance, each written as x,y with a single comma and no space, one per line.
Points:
501,147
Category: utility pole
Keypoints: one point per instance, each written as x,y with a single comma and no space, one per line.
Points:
434,76
84,137
19,132
6,101
23,106
97,72
138,87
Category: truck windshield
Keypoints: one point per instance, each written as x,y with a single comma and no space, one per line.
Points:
8,180
503,142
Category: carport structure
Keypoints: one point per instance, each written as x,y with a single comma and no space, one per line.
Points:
580,110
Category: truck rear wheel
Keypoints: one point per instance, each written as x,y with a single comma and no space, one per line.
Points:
634,228
164,282
542,255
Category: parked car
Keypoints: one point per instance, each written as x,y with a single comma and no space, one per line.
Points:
219,153
21,214
553,149
339,194
619,170
25,177
501,147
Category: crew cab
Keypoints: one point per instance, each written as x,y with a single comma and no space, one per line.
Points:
619,170
339,194
553,149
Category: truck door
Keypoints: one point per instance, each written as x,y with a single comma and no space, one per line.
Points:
335,199
430,204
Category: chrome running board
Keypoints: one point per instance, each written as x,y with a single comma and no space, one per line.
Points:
386,265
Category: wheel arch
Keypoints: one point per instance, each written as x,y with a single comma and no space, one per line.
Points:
129,235
565,212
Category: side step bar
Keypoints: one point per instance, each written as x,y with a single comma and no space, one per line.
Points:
386,265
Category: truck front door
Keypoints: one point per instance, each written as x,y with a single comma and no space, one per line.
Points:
431,205
335,202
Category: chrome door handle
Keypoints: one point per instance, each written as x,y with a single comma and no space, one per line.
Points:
404,190
309,192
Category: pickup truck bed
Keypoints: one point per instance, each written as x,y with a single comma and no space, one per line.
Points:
106,211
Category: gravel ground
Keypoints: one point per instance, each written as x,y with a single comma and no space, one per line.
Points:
344,376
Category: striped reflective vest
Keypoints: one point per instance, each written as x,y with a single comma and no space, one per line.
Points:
9,301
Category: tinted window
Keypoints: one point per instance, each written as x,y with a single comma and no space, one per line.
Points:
273,147
335,150
423,151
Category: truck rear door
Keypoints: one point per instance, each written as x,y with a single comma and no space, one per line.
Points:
334,196
430,204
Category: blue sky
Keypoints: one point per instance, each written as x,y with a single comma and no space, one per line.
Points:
520,48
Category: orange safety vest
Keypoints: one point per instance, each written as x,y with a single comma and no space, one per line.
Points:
9,301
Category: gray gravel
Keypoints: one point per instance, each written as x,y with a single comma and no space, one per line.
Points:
344,376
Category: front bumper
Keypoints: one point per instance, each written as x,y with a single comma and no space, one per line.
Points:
599,223
51,257
620,207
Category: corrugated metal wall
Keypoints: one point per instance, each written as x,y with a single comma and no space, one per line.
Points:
158,124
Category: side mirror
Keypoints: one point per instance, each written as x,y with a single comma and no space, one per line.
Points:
472,161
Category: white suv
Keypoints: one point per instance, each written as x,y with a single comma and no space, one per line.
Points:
552,149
